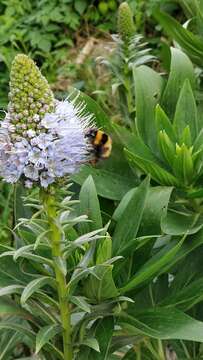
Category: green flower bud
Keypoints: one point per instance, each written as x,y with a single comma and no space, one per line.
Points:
186,137
103,8
126,26
167,147
183,165
188,166
30,95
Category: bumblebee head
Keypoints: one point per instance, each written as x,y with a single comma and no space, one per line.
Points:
91,133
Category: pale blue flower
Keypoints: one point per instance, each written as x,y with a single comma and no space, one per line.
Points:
57,149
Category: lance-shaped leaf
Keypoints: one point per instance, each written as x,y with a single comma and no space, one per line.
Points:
104,250
89,205
45,334
159,323
186,112
186,297
158,173
35,285
181,69
191,44
179,223
163,123
154,266
104,334
148,87
101,286
126,231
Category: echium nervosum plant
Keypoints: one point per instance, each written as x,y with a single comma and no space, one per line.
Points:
130,51
43,141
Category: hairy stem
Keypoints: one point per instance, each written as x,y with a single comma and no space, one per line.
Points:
55,239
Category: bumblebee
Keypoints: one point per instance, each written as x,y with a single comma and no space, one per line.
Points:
101,144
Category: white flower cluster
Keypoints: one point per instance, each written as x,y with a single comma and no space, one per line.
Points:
57,149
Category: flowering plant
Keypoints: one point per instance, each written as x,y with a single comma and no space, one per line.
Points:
42,140
112,271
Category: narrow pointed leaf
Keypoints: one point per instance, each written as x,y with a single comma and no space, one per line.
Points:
181,69
81,302
159,174
35,285
45,334
190,43
159,323
148,87
126,231
186,112
92,343
153,267
89,205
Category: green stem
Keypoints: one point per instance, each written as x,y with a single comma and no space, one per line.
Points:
138,353
151,349
161,350
55,237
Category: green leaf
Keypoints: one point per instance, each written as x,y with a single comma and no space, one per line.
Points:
23,249
45,334
104,250
187,297
44,44
181,69
9,345
157,200
37,258
163,123
130,355
26,331
190,43
192,242
109,184
179,223
81,302
9,308
89,205
126,231
186,112
195,194
80,6
123,204
11,289
101,286
20,211
148,87
87,237
92,343
10,272
159,323
157,173
154,266
35,285
104,333
133,142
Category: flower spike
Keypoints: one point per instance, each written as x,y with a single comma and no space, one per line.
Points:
41,138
